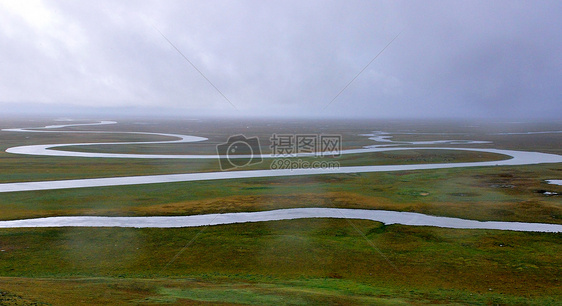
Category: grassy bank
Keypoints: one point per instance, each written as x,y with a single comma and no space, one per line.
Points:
311,260
510,193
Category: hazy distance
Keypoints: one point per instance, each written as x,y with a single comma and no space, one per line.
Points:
472,59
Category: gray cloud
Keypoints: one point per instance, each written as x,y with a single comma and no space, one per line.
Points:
473,58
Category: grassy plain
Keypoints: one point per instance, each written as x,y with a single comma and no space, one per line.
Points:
18,168
312,261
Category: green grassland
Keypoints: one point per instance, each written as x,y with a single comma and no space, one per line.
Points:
486,193
308,261
23,168
299,261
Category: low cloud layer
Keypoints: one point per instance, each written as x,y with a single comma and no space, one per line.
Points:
284,58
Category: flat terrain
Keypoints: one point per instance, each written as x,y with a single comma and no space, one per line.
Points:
318,261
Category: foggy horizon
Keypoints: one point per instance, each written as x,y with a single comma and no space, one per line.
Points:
380,60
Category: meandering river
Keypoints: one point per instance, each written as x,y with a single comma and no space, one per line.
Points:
384,216
387,217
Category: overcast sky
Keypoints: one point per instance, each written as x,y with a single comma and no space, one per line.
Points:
499,59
